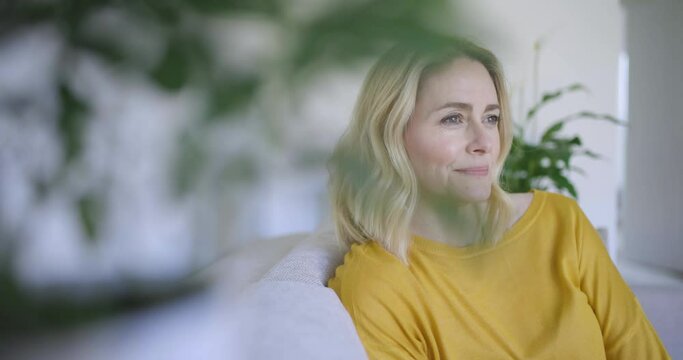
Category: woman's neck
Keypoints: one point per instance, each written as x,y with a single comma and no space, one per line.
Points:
448,221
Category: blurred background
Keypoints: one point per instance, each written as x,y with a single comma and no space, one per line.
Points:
142,141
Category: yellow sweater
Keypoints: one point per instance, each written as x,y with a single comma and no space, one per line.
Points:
548,290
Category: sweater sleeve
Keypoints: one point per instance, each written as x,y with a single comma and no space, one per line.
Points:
386,328
626,331
383,309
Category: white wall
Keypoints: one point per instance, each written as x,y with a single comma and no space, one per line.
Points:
653,202
581,43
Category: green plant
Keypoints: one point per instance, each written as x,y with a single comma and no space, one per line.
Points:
536,164
340,34
299,43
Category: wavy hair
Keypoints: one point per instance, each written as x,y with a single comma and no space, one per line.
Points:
373,189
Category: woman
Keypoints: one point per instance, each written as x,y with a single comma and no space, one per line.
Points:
443,263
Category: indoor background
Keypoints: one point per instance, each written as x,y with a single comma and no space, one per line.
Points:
143,142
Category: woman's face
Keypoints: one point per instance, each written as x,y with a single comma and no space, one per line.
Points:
452,138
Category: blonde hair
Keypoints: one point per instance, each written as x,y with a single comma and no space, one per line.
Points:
373,188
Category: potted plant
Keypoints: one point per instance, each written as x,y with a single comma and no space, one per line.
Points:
547,161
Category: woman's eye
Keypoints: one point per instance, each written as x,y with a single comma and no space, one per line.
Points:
452,119
493,119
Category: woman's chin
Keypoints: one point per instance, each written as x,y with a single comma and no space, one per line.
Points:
460,194
473,195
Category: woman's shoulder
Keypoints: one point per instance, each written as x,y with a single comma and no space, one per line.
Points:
368,267
540,204
381,296
558,202
521,203
369,260
546,200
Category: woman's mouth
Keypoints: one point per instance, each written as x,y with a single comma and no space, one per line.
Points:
474,171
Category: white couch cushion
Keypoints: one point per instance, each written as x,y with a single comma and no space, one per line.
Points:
291,314
295,320
312,261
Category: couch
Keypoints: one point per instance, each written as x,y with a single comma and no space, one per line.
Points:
287,312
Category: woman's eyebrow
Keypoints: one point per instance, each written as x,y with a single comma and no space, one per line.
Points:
466,106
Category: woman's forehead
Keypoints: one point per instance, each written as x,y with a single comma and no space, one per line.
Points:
461,81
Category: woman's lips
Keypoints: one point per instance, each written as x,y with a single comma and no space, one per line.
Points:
475,171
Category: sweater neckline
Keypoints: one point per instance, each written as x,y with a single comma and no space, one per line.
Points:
518,228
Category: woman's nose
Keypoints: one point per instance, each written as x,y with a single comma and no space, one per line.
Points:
480,139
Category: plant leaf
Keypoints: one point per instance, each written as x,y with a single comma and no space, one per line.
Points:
160,11
591,154
90,212
562,183
72,117
230,95
575,141
550,96
353,30
604,117
592,116
578,170
224,7
173,72
548,134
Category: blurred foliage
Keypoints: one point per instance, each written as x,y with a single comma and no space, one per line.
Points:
90,212
344,32
24,313
72,119
531,165
335,34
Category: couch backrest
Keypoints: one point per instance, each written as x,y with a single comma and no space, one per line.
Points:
291,314
312,261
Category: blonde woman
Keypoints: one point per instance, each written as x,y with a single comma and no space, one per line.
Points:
444,264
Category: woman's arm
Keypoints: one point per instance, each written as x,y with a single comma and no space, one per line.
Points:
383,306
626,331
